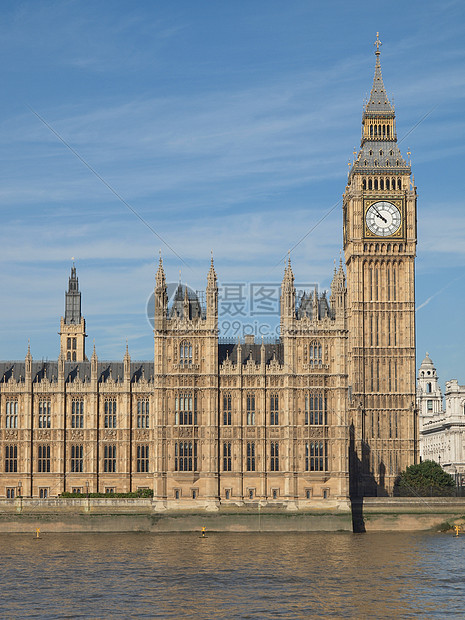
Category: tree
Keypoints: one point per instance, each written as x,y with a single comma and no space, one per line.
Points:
425,479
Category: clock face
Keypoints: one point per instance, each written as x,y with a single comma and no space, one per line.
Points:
383,218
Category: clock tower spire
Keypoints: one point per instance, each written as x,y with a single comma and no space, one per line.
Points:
379,206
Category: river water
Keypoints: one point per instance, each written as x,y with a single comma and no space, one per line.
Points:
233,575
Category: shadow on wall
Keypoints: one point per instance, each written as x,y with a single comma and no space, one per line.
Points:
362,482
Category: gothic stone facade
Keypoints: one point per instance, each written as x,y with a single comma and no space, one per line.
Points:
325,412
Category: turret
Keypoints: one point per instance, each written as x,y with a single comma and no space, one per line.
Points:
161,298
212,296
94,366
28,365
73,325
429,395
338,292
127,365
287,299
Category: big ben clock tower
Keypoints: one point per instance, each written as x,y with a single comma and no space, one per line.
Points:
379,246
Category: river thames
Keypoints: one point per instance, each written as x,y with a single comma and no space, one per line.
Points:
233,575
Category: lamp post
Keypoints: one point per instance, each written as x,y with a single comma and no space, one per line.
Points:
20,496
87,494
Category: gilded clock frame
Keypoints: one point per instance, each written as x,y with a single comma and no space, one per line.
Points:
398,202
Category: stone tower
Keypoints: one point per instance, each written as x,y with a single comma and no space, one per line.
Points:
379,206
73,324
186,391
429,395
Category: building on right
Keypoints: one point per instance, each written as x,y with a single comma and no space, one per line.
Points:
441,421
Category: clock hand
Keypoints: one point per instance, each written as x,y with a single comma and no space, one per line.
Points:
379,215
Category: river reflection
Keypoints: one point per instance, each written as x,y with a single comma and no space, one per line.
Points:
246,575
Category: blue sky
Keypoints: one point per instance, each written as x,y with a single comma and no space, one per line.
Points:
228,127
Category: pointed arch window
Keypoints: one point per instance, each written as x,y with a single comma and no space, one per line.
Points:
250,409
185,405
315,354
77,413
315,408
44,413
227,414
110,413
274,409
11,420
185,353
143,413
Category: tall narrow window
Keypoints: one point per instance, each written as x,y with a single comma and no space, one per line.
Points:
315,357
315,408
77,413
318,455
11,459
250,409
142,458
250,456
43,461
110,413
77,458
394,283
274,409
274,453
185,354
109,458
185,409
185,456
143,413
44,414
226,456
227,409
11,420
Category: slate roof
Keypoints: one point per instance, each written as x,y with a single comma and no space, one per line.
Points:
378,102
46,370
380,156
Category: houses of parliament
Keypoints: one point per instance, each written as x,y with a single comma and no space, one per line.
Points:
326,412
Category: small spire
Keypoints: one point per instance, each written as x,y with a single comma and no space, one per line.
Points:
377,44
211,272
160,276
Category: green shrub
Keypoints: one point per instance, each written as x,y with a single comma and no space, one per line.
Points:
426,479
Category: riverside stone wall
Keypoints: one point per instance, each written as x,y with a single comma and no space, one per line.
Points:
130,515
